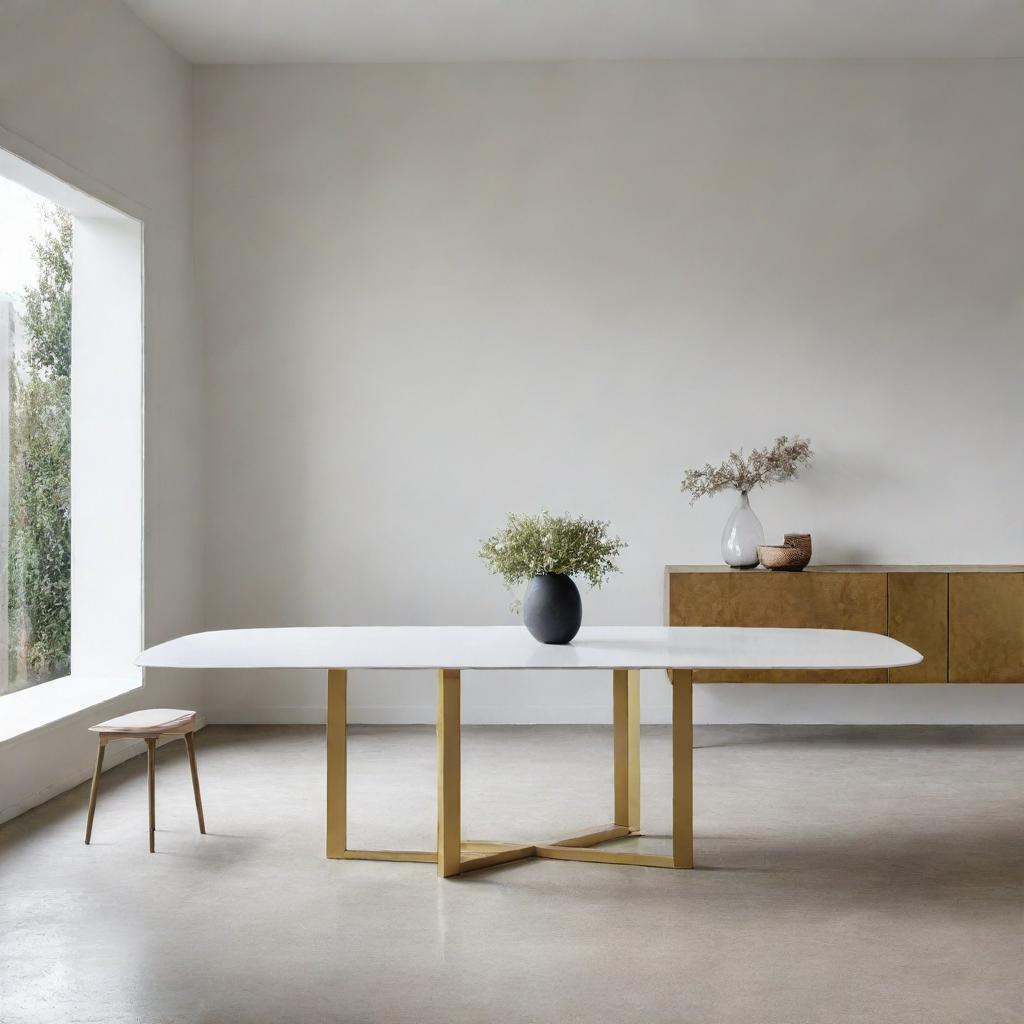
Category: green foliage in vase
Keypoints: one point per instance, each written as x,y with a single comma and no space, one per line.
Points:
775,464
530,546
39,555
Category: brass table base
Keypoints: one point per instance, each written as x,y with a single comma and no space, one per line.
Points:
454,856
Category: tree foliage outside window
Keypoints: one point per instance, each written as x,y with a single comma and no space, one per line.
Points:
39,553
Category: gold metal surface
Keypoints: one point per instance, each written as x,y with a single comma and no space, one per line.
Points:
592,838
919,617
497,853
682,768
454,857
579,848
589,856
337,762
415,856
626,730
449,773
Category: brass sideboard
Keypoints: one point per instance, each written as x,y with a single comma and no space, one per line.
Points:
967,620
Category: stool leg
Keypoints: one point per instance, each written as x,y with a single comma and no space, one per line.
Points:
190,743
94,792
151,745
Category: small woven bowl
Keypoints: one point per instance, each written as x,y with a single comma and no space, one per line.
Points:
779,556
798,540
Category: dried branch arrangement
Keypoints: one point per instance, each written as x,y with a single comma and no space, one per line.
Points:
763,466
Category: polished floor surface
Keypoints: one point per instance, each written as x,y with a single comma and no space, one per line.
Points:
844,875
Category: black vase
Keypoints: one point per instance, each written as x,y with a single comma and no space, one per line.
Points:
552,611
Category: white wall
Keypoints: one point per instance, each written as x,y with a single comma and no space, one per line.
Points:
433,294
91,95
106,447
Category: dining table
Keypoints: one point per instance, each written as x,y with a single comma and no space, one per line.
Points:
624,651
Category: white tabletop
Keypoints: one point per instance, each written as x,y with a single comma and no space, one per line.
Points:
512,647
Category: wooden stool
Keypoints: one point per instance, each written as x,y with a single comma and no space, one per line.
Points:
148,725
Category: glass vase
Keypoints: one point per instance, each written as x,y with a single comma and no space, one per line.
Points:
742,534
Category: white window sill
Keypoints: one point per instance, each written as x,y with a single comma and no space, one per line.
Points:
45,704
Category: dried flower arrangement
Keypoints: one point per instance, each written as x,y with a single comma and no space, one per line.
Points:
782,461
531,546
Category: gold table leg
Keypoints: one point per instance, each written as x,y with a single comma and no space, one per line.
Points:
449,773
337,782
453,856
626,729
337,762
682,768
626,717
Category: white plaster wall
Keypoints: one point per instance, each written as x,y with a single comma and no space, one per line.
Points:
434,294
106,447
90,94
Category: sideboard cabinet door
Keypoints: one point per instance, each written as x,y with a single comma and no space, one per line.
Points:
986,627
812,600
919,617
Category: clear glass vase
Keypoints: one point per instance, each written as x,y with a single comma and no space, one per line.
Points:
741,536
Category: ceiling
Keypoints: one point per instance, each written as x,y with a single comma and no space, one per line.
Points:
287,31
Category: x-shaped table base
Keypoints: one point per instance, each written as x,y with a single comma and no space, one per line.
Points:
454,856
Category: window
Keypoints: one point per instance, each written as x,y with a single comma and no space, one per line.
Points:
70,434
35,437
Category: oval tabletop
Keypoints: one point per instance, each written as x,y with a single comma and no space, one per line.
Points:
512,647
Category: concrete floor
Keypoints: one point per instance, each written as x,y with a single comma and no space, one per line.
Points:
845,875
